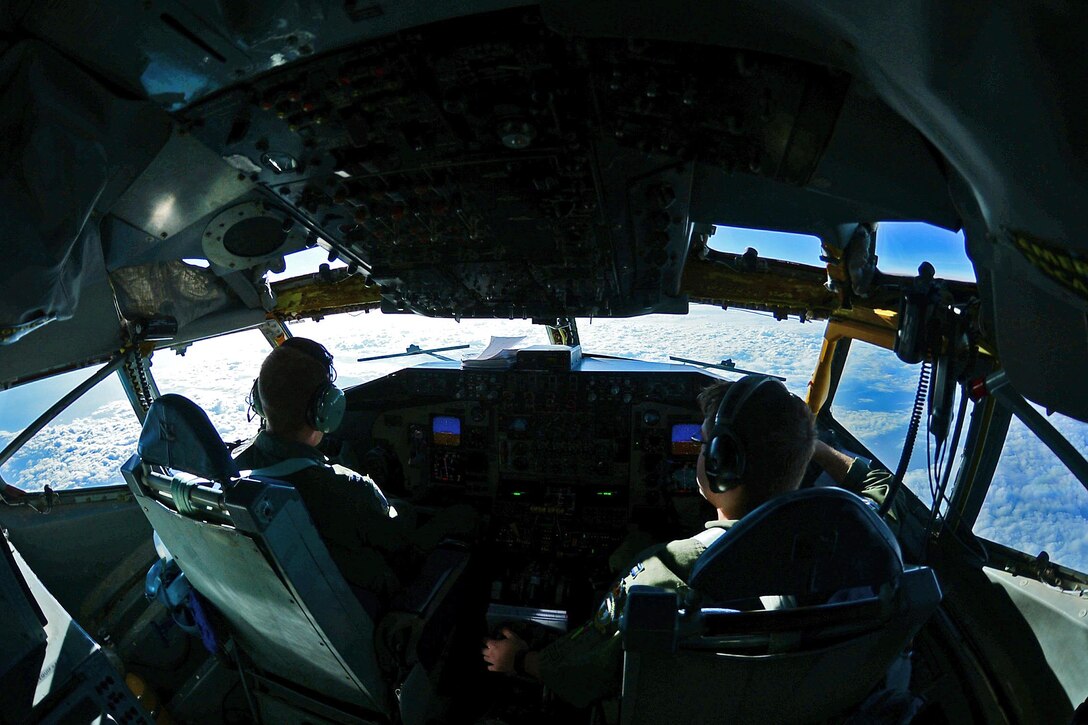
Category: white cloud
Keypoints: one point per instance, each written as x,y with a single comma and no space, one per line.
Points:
867,424
83,452
1034,503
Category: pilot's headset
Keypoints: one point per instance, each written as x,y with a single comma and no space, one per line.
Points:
725,456
327,405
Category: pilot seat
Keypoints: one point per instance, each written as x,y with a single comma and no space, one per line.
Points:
830,654
308,647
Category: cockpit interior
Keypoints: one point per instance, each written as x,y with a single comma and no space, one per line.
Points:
564,462
186,184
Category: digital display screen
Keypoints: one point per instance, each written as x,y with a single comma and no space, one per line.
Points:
446,430
682,443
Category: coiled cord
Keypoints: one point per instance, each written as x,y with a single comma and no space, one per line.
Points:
912,434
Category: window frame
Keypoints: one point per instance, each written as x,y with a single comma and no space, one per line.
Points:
1014,407
114,365
840,338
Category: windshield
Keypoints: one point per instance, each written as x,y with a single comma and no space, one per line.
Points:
1034,503
874,402
362,335
305,262
900,247
216,374
752,340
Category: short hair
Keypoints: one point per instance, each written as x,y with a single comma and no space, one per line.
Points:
777,431
290,376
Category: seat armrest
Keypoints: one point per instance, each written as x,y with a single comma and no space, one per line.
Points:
650,620
921,593
868,612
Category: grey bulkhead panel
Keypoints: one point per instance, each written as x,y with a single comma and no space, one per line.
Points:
1059,621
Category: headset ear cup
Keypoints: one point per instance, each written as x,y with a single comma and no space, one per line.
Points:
725,451
255,398
327,408
724,462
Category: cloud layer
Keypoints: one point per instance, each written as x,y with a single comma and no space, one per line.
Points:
1034,503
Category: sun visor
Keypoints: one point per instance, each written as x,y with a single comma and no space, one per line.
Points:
173,289
68,145
1042,333
52,171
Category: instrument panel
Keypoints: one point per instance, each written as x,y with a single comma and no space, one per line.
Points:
563,464
489,165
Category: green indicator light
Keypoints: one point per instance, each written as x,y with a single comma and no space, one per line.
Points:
517,493
604,493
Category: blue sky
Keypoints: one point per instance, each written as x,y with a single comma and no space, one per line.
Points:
1034,503
901,247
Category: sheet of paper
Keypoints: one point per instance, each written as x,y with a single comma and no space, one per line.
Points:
500,614
497,347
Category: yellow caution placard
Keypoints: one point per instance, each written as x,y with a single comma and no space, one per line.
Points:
1063,266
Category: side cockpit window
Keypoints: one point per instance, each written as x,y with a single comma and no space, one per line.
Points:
84,446
1034,503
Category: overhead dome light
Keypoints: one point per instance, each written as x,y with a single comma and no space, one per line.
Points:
279,163
255,237
248,234
516,133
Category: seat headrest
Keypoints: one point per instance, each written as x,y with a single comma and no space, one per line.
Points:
177,434
813,542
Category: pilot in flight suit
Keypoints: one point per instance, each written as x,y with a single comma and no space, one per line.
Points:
778,434
375,549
